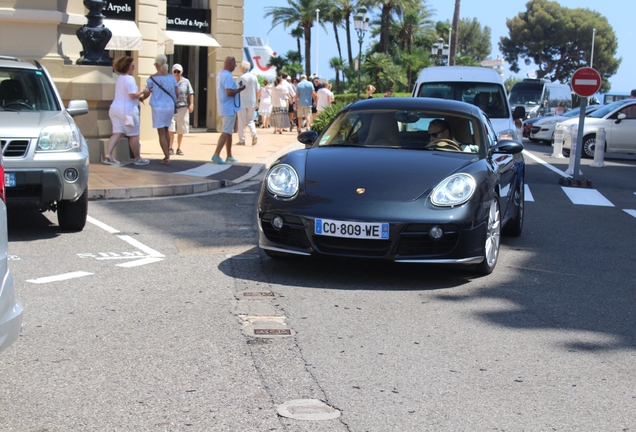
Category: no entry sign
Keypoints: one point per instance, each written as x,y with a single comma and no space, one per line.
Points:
586,81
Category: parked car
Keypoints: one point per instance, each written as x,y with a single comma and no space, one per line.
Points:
46,157
619,121
10,308
543,128
375,185
527,126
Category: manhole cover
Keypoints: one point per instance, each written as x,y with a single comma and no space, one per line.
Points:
307,409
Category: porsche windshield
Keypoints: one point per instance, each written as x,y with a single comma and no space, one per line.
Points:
404,129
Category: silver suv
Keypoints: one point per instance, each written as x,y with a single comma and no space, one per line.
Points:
46,158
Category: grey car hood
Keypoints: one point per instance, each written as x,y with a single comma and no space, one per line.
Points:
28,124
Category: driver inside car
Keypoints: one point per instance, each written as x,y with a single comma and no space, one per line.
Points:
439,132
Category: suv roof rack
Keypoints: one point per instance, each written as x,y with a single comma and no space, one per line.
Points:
9,58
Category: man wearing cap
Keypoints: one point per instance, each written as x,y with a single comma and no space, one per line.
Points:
249,102
185,105
305,97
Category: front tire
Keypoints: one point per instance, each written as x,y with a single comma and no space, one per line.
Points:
492,241
515,225
71,216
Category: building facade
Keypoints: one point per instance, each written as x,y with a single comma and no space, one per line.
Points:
198,34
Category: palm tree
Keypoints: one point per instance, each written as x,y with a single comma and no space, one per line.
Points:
387,9
374,64
336,64
297,34
301,13
334,16
412,22
348,8
454,38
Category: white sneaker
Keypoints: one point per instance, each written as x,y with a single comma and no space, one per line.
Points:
254,140
141,161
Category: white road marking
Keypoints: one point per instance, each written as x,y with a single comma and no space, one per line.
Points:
586,197
545,164
204,170
630,212
102,225
528,194
505,190
142,247
61,277
139,262
151,254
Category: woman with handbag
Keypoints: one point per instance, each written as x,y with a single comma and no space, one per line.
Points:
164,89
124,112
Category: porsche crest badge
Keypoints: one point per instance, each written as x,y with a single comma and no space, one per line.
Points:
360,191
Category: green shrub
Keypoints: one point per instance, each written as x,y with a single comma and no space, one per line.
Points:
326,115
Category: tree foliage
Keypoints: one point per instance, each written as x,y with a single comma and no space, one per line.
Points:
473,41
559,40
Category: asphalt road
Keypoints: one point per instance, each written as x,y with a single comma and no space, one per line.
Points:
156,333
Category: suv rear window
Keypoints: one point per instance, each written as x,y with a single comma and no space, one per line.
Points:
466,92
26,90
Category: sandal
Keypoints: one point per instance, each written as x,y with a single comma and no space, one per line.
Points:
141,161
165,161
179,152
109,160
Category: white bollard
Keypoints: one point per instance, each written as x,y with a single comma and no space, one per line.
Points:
557,151
599,149
574,133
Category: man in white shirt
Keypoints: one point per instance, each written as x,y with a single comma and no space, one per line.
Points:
249,102
286,82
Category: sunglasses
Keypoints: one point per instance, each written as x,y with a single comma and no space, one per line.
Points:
436,134
176,71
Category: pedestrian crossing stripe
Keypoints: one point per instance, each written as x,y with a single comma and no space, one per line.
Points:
586,197
630,212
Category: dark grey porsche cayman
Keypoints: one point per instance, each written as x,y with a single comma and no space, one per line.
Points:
404,179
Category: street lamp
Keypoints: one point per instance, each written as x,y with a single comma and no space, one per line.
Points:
440,51
361,24
317,35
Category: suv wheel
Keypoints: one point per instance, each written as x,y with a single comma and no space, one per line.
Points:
71,216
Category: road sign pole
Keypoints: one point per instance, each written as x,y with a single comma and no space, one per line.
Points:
575,151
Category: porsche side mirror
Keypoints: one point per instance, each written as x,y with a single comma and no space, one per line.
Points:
507,147
620,117
308,137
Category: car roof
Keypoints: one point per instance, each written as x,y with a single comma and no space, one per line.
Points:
14,62
458,74
416,103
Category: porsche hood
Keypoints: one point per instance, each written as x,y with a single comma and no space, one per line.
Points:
378,174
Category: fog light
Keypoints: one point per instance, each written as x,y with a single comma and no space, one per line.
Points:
436,232
277,222
71,175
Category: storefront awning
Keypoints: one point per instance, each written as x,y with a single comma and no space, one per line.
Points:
192,39
126,35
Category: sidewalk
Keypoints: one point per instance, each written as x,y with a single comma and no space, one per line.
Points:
194,172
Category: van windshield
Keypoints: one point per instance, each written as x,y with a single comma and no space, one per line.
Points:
526,93
489,97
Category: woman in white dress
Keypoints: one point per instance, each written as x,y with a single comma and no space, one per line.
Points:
280,116
265,105
164,89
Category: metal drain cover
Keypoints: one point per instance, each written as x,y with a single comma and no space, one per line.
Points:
307,409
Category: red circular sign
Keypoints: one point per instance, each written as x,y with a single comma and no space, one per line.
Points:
586,81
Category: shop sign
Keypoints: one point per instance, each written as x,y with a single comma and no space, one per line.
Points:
120,9
188,20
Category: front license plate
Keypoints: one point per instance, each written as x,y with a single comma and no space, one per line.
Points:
9,179
363,230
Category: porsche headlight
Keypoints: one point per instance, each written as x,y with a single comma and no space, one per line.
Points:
454,190
282,181
58,138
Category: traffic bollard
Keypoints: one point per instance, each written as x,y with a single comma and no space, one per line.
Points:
599,149
557,151
574,133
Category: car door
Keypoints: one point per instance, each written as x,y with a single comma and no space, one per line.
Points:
623,132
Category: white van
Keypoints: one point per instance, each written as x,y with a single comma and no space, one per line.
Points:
540,97
470,84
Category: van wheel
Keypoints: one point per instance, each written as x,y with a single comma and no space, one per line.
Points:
71,215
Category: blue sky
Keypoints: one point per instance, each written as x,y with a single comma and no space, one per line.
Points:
619,13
